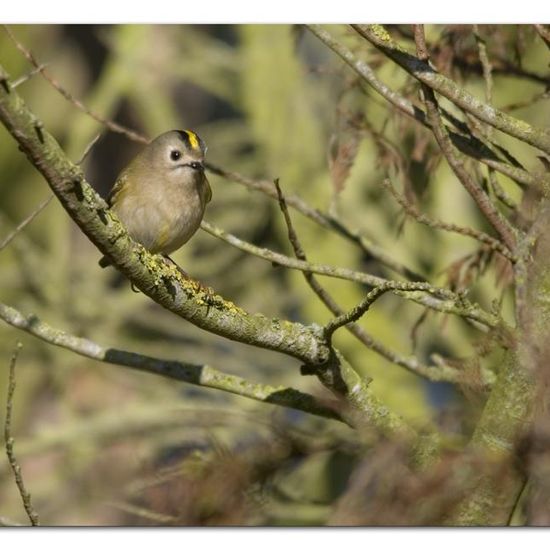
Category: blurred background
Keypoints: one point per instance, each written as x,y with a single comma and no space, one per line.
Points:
101,445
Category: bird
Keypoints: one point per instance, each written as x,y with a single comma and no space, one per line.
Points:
161,196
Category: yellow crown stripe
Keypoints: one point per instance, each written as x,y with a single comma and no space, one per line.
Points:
193,139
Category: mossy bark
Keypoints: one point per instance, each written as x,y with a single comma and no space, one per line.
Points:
506,422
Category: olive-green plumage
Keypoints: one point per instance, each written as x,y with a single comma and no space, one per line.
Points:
161,195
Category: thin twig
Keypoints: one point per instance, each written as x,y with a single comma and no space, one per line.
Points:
327,221
356,313
113,126
25,495
480,236
7,240
485,63
487,67
88,149
412,364
430,372
500,193
28,76
494,217
301,265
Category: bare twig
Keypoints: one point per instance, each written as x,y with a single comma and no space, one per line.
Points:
500,193
437,298
25,495
357,312
7,240
480,236
292,263
412,364
29,75
486,64
113,126
487,67
88,149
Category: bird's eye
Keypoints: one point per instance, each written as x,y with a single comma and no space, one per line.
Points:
196,165
175,155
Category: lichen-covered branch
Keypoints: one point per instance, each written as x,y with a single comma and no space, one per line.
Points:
199,375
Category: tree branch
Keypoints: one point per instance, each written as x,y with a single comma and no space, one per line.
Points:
422,71
198,375
467,144
357,312
439,299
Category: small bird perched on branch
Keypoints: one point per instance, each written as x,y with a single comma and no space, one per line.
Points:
160,197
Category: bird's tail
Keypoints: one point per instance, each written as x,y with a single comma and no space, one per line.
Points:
104,262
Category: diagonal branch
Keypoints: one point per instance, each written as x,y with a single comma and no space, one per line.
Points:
38,67
467,144
422,71
355,313
7,240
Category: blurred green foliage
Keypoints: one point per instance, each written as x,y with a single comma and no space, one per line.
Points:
267,100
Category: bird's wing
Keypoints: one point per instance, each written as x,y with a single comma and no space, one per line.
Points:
117,190
208,194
